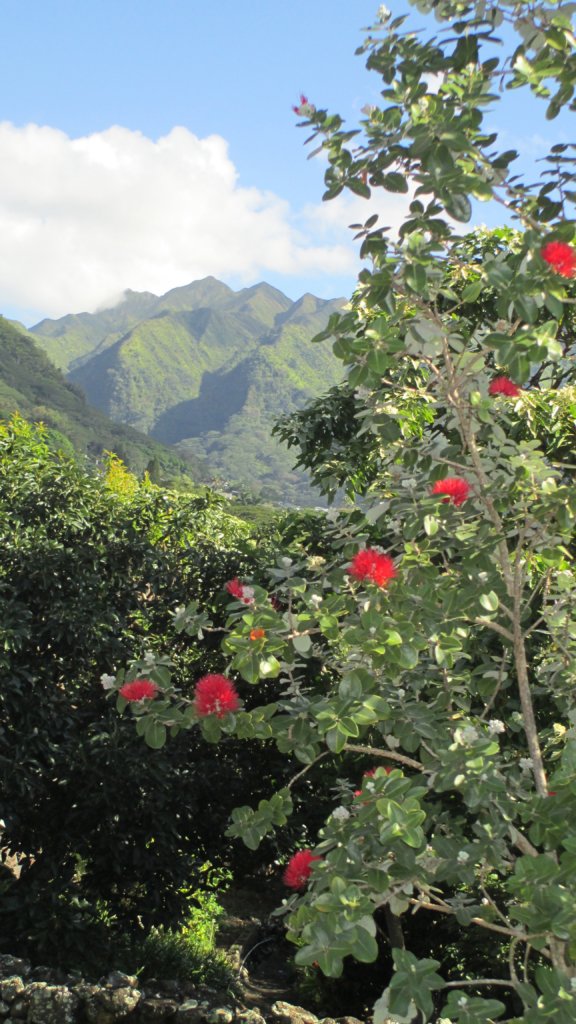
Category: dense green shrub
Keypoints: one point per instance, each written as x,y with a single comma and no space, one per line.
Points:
91,570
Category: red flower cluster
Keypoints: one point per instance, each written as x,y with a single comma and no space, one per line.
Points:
299,869
503,386
370,564
215,695
240,591
561,257
140,689
257,634
454,489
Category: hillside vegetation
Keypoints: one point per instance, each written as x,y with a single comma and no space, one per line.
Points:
206,369
31,386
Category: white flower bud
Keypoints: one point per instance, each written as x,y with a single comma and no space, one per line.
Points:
340,813
495,726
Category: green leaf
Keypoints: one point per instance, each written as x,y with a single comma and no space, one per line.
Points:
395,182
269,668
458,206
489,601
363,946
302,643
472,291
431,525
155,734
335,740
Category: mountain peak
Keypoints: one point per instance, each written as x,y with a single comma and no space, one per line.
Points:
206,292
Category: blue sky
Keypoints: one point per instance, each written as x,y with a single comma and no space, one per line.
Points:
106,194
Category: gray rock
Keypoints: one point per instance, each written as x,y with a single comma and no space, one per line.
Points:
10,965
189,1012
104,1005
11,988
156,1009
118,980
286,1013
19,1008
250,1017
51,1004
219,1015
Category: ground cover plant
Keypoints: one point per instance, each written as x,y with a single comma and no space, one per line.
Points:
429,654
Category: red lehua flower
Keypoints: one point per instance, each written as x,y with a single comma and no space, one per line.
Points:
561,257
552,792
257,634
215,695
235,588
299,869
240,591
503,386
369,564
455,489
140,689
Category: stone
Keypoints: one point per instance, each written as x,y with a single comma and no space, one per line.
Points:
11,988
219,1015
250,1017
156,1009
51,1004
118,980
19,1009
10,965
104,1005
189,1012
286,1013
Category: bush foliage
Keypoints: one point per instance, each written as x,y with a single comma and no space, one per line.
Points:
91,570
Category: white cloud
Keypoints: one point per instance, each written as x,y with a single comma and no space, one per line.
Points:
329,220
82,219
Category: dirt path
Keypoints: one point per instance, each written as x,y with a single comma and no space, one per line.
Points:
259,947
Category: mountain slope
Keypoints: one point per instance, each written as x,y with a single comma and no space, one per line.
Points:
71,339
32,386
207,369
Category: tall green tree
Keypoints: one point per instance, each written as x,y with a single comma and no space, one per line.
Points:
435,644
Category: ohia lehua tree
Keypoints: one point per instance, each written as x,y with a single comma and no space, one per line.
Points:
432,653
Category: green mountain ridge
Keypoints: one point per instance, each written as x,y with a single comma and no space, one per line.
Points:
206,369
33,387
76,337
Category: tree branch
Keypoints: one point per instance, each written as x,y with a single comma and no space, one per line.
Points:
356,748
